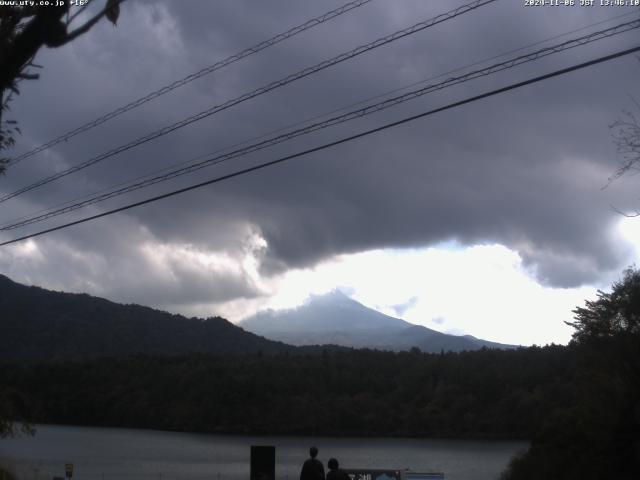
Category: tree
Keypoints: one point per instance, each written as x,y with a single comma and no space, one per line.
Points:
598,434
24,30
626,136
14,410
612,314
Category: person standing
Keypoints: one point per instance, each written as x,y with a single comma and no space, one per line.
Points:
312,468
335,472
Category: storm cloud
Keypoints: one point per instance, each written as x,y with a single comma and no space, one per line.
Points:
525,169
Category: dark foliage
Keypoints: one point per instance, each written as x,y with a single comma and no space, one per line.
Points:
579,404
598,436
484,394
24,30
612,314
39,325
15,408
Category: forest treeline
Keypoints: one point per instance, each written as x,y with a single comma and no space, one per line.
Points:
579,405
488,393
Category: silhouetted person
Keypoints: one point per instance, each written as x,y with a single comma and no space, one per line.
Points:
312,468
336,473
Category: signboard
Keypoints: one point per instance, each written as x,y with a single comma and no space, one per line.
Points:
366,474
423,476
68,470
263,462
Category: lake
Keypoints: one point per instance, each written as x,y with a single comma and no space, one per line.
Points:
126,454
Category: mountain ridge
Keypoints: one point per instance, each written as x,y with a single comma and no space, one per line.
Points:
40,325
337,319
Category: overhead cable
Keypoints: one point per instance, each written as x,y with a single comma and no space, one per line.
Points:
194,76
261,166
259,91
522,59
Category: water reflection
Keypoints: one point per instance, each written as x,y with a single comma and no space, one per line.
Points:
124,454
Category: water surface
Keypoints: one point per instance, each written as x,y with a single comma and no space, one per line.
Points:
125,454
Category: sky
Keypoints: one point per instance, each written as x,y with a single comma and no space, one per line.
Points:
494,219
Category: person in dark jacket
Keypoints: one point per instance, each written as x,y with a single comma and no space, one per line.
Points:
312,468
336,473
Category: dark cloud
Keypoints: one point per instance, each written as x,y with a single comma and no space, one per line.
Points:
524,169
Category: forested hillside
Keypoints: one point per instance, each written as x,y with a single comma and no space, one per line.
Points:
579,404
40,325
475,394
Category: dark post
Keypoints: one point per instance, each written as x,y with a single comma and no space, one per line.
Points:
263,462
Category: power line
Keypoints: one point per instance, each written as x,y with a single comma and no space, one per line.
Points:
491,93
194,76
309,119
315,117
109,188
334,121
458,69
96,198
259,91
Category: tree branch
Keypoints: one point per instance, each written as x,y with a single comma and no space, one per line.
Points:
91,22
78,12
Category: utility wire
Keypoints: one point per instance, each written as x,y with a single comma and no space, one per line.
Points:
318,116
194,76
315,117
111,187
455,70
261,166
322,115
259,91
586,39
